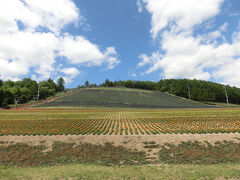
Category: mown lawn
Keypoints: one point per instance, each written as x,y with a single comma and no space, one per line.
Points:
89,171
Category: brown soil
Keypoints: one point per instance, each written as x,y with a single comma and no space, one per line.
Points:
128,141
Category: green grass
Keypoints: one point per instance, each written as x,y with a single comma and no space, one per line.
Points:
97,172
122,98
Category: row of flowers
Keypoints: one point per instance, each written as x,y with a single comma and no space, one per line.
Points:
118,123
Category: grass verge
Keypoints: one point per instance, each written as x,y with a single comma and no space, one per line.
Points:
90,171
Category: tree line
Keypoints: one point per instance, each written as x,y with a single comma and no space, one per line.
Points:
199,90
28,90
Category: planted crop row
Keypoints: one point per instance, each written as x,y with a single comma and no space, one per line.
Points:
117,123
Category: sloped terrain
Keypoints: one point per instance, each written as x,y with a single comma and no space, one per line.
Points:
122,98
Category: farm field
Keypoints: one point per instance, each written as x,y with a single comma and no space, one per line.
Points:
121,98
116,122
35,142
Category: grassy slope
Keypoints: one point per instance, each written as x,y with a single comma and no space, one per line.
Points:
88,171
123,98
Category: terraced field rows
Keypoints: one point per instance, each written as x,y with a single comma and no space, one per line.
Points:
117,123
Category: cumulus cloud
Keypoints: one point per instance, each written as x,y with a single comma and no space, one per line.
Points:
27,50
70,74
33,14
183,53
111,57
182,15
229,73
81,51
32,37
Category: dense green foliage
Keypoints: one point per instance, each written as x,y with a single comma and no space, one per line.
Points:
204,91
27,90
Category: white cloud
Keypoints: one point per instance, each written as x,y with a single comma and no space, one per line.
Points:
187,57
111,57
70,71
11,70
28,50
70,74
223,28
184,55
81,51
25,48
134,75
229,73
139,6
52,14
145,60
182,15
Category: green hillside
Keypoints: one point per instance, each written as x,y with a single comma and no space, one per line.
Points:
203,91
122,98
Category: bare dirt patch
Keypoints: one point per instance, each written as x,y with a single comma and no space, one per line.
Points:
120,149
127,141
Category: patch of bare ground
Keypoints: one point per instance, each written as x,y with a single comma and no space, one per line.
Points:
147,143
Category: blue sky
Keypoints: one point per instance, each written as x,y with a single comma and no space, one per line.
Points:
126,39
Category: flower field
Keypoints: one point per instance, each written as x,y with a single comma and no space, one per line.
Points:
119,122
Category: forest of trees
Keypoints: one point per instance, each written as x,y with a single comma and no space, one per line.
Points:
203,91
27,90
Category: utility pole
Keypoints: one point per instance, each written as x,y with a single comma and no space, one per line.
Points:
189,94
226,96
71,88
171,88
38,92
15,103
34,99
